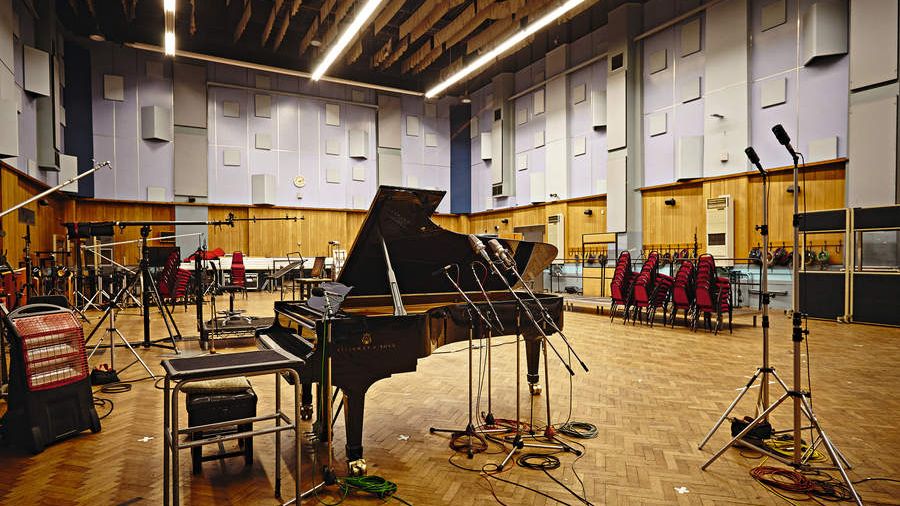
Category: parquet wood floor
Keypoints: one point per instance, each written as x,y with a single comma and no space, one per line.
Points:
653,393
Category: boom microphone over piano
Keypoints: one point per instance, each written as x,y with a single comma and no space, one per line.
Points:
478,248
501,253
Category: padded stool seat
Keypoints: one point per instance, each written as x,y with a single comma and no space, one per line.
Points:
220,401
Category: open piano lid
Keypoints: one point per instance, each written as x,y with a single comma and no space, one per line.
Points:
418,247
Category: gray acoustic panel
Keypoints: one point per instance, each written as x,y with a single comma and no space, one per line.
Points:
7,31
431,140
522,161
657,124
333,114
823,31
412,125
37,71
473,128
773,92
333,175
68,168
615,111
598,108
156,194
358,95
616,194
113,87
390,167
156,123
726,45
263,82
262,106
231,109
689,157
872,169
264,140
579,93
359,172
262,189
189,99
9,141
190,169
773,14
873,42
231,157
154,69
538,102
690,37
658,61
579,146
358,143
691,89
430,110
189,243
823,149
332,146
557,60
539,138
521,116
390,120
487,145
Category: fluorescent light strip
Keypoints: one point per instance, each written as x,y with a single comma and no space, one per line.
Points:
503,47
169,33
169,6
170,43
344,40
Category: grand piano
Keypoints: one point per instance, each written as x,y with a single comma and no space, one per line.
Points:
398,311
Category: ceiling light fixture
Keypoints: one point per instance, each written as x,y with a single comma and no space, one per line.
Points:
169,34
344,40
503,47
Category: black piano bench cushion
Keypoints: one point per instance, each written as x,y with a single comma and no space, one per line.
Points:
218,386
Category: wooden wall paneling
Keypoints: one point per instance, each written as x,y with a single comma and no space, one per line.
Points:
578,223
674,226
230,239
48,219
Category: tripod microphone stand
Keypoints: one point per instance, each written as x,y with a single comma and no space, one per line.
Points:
801,404
472,311
489,417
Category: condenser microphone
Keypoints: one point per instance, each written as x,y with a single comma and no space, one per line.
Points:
784,139
754,159
442,270
501,253
478,247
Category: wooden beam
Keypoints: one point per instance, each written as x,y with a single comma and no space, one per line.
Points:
270,23
242,23
387,14
285,23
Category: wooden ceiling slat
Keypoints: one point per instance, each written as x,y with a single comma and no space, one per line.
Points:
286,22
387,14
310,35
270,22
242,23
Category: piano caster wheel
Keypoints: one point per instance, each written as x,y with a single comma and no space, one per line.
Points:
535,388
306,412
357,467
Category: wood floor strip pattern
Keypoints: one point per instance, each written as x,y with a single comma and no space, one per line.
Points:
653,393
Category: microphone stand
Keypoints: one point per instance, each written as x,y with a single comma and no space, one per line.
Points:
489,418
471,310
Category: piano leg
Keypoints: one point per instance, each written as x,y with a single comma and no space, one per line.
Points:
532,361
306,409
354,405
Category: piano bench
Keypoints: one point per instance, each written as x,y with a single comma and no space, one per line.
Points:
208,404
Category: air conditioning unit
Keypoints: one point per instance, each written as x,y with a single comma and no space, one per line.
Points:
720,229
556,235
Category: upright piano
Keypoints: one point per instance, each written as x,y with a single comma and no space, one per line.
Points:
399,311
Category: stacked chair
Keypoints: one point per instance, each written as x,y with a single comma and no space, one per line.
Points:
620,287
662,295
642,288
166,282
683,291
713,294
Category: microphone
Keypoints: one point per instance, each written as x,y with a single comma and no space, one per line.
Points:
442,270
478,248
754,159
784,139
501,253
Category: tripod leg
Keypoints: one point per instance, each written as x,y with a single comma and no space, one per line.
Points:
133,352
730,408
744,432
807,410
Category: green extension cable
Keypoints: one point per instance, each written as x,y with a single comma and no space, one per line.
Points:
375,485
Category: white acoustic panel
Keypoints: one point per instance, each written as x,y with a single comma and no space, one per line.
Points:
598,108
537,187
872,170
332,146
190,170
113,87
657,123
773,92
616,194
556,122
412,125
189,95
823,149
231,157
231,109
390,167
262,106
725,136
773,14
600,188
431,140
358,143
263,190
263,82
522,161
615,111
579,93
68,168
333,175
538,102
37,71
726,45
9,141
361,202
359,172
154,69
556,168
156,194
556,60
486,145
156,123
691,89
473,127
8,29
823,31
538,138
690,37
689,157
390,121
412,181
521,116
430,110
579,146
333,114
264,140
658,61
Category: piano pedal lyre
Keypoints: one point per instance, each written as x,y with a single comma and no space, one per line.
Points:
306,412
535,388
356,467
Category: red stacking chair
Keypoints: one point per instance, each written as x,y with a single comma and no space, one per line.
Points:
723,302
683,291
642,288
662,295
713,293
166,283
620,286
182,278
238,284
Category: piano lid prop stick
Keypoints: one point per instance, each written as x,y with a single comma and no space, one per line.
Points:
507,260
480,249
